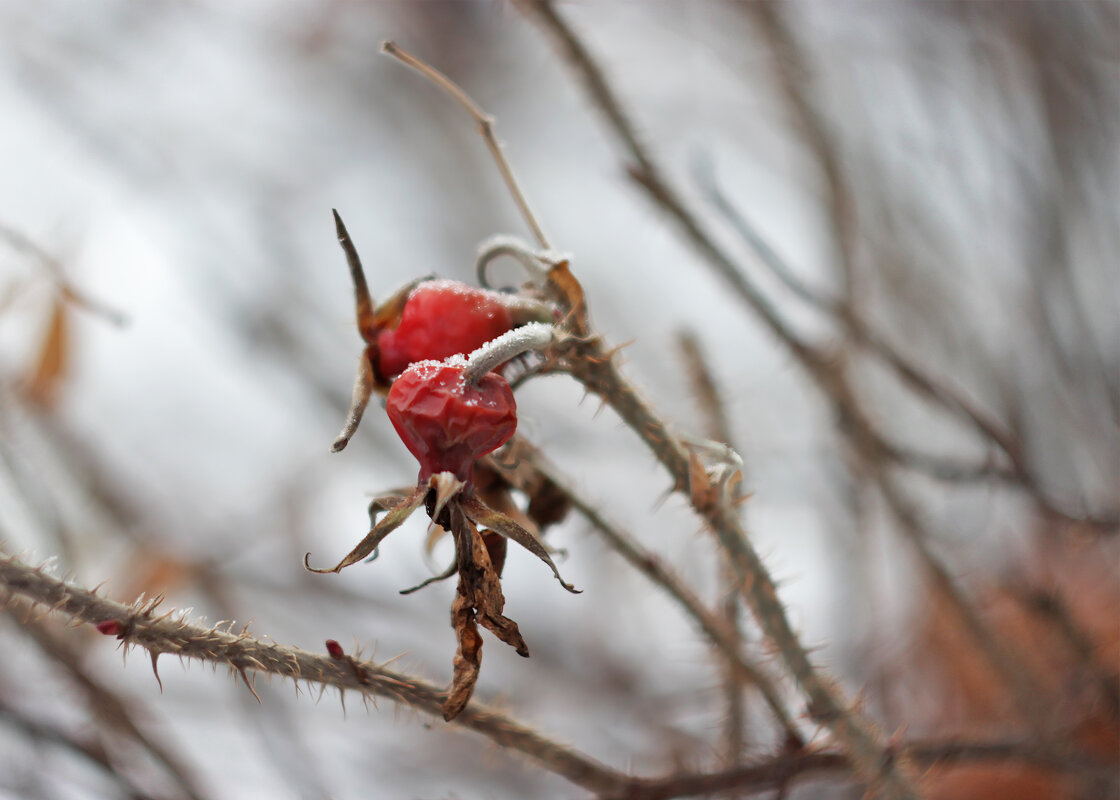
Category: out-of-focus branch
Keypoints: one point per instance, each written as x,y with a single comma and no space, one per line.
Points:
794,80
112,710
24,244
717,428
722,635
1052,608
781,770
919,380
89,750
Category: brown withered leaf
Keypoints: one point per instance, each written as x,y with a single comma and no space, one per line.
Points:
468,657
564,283
479,583
700,488
399,510
487,517
51,365
496,547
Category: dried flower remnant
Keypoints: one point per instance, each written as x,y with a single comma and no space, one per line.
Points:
449,414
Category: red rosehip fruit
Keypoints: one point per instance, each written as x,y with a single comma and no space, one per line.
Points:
441,318
446,422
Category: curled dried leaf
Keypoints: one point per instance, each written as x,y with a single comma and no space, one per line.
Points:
468,658
398,513
479,583
568,288
483,515
364,383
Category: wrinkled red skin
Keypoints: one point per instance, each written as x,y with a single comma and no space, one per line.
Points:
446,423
441,318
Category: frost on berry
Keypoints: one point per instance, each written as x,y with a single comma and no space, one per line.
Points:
446,422
442,318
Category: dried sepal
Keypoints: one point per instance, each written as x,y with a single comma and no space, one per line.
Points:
499,523
362,299
392,520
447,573
364,383
446,486
478,601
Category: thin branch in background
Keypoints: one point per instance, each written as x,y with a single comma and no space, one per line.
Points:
485,124
1053,609
793,74
24,244
717,428
1025,689
111,710
915,377
722,635
88,749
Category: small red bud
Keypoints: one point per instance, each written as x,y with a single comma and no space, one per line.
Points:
334,649
109,627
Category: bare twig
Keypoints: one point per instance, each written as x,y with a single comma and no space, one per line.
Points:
794,80
717,428
718,631
89,749
485,124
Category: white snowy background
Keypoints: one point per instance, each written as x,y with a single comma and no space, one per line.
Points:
180,161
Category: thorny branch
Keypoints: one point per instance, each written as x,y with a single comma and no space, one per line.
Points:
816,362
595,368
169,633
719,632
173,634
829,375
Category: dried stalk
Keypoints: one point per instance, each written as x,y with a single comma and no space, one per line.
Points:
485,124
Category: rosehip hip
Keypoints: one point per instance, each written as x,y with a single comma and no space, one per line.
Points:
442,318
447,423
